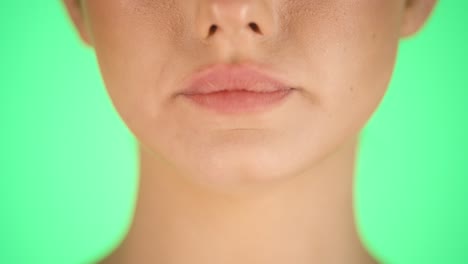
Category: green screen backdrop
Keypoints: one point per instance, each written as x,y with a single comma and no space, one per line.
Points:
68,168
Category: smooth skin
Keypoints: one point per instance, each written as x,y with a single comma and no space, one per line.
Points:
272,187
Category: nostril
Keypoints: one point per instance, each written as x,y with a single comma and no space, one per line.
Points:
252,25
255,27
212,30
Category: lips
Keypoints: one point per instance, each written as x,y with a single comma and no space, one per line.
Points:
235,89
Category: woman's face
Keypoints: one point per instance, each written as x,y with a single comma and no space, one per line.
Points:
337,54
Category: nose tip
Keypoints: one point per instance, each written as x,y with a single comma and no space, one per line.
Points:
229,18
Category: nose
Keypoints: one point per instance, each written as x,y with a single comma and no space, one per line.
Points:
234,18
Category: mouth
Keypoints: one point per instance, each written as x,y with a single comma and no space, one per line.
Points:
235,89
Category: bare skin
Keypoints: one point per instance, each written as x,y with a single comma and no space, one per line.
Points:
271,187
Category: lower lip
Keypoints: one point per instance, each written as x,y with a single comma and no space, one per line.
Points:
237,102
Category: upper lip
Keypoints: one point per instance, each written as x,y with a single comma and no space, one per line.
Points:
232,77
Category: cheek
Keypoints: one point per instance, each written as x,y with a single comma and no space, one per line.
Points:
134,49
351,51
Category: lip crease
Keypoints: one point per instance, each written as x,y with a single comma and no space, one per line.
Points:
235,89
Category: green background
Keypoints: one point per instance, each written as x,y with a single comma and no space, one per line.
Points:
68,163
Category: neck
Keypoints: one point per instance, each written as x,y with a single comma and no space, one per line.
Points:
306,219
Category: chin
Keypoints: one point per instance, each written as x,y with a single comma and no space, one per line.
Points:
235,170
